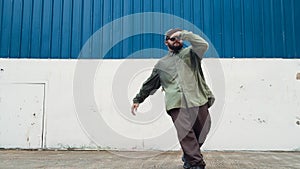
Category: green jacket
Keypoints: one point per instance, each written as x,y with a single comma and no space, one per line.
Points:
180,76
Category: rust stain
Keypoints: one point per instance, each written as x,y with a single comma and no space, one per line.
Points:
261,121
298,76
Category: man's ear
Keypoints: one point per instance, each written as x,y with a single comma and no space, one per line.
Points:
166,43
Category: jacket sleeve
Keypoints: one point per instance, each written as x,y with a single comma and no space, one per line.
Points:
149,87
199,45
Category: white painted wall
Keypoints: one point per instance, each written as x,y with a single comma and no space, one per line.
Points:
86,105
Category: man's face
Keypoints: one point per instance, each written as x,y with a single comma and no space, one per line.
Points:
174,43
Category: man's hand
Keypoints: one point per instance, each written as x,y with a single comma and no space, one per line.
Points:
134,108
176,34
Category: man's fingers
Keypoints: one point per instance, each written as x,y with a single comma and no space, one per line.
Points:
134,109
178,33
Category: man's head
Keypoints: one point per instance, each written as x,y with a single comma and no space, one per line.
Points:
173,40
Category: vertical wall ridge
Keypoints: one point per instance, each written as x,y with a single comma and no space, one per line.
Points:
60,28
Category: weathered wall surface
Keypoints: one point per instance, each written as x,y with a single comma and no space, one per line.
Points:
86,105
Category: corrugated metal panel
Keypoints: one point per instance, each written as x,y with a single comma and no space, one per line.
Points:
237,28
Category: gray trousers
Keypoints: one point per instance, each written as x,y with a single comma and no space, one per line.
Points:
192,125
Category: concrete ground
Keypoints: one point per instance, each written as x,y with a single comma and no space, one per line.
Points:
149,160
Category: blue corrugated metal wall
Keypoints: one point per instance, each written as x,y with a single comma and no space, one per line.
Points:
237,28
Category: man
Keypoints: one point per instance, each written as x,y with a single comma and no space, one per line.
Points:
187,96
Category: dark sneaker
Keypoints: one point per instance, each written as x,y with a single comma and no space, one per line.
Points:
197,167
186,165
